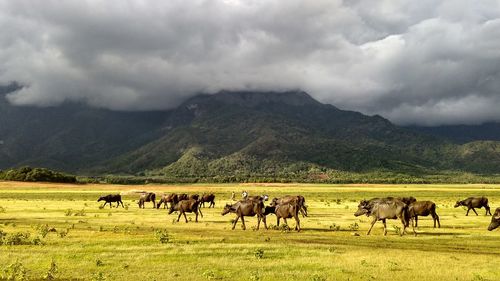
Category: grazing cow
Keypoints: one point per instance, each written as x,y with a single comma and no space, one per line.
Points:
170,198
147,197
495,220
423,208
288,211
474,202
298,200
383,209
111,198
186,206
210,198
246,208
262,198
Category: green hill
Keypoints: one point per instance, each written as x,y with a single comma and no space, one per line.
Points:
238,135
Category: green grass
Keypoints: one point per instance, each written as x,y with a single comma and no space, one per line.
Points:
123,244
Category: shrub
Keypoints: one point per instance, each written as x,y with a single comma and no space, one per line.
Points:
51,272
259,253
162,236
15,271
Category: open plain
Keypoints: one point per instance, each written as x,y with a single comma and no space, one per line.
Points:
86,242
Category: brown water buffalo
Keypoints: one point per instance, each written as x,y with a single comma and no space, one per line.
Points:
168,198
210,198
111,198
246,208
383,209
474,202
495,220
186,206
147,197
288,211
288,199
423,208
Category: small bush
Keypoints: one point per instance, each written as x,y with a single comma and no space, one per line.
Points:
80,213
15,271
51,272
68,212
98,276
259,253
2,209
162,236
99,262
353,226
334,227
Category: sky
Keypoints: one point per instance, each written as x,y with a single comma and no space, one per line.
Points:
413,62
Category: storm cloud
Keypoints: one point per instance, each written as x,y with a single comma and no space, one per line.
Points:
414,62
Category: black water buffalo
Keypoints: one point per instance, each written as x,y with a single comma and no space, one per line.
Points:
383,209
147,197
474,202
210,198
288,199
495,220
170,198
423,208
186,206
111,198
246,208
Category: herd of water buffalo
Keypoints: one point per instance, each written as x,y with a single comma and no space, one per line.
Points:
407,209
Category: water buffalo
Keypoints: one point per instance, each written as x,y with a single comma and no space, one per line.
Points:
186,206
170,198
246,208
495,220
423,208
383,209
147,197
298,200
210,198
288,211
474,202
111,198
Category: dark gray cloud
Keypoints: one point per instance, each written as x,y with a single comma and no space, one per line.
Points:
425,62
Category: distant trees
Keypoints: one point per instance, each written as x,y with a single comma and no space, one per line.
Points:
30,174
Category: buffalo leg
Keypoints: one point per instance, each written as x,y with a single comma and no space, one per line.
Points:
258,221
179,217
297,223
278,221
196,216
199,210
243,222
284,219
385,227
475,211
436,219
185,217
235,221
264,220
373,223
416,221
487,210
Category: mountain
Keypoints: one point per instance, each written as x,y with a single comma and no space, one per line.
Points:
242,134
70,137
489,131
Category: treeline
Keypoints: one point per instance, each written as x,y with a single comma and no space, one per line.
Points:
334,178
29,174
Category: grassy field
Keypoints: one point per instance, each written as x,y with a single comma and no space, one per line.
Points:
89,243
